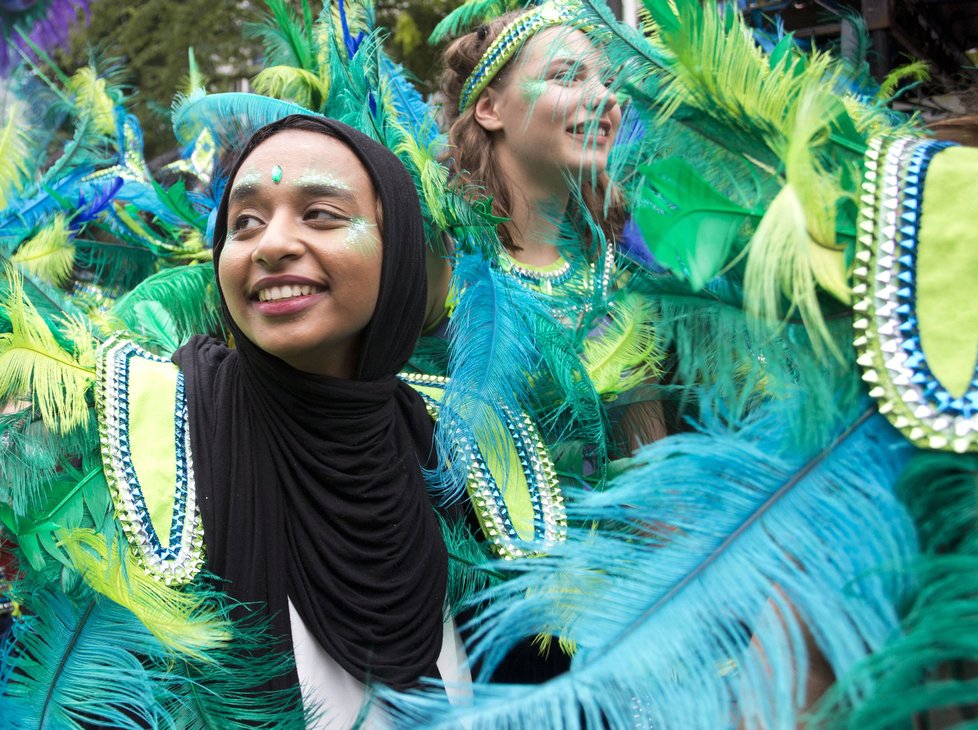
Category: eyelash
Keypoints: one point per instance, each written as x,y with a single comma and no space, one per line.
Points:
330,215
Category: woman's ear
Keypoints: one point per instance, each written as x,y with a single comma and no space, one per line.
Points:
486,111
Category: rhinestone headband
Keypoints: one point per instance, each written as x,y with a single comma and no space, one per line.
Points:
505,46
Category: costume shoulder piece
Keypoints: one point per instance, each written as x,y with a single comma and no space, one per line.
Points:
511,479
144,436
917,326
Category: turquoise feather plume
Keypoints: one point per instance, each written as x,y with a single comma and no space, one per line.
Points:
689,609
491,354
68,650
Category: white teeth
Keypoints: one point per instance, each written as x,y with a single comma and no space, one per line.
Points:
285,292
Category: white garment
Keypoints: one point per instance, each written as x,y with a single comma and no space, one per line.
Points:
339,697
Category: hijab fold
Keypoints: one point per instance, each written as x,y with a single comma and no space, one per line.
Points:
310,487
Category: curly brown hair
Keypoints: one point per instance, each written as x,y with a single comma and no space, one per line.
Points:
470,146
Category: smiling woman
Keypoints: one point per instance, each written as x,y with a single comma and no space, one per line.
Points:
300,269
308,448
532,116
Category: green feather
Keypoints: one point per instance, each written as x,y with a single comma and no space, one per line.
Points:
924,673
287,41
469,565
470,14
188,295
689,227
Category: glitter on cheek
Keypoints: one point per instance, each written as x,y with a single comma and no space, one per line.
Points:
532,89
360,236
277,174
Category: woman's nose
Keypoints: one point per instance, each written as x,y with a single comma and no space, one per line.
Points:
278,243
600,97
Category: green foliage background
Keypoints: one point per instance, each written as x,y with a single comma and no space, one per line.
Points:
151,40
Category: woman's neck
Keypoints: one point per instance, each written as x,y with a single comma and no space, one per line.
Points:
535,218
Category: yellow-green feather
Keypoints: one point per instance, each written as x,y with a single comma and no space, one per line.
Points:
179,619
14,154
91,97
293,84
35,368
50,254
627,353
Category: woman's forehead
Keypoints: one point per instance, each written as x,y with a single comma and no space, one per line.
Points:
300,157
559,43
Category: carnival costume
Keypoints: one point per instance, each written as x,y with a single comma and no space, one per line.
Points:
824,484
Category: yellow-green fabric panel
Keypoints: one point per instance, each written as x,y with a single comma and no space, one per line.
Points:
504,464
152,399
947,268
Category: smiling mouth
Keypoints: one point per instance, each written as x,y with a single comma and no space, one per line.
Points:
289,291
598,131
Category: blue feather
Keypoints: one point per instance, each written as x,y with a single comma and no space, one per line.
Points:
717,538
230,117
57,675
491,355
25,214
102,197
411,108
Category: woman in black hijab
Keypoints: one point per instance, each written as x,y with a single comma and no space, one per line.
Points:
308,449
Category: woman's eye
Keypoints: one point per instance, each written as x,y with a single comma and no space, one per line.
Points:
566,75
322,215
245,222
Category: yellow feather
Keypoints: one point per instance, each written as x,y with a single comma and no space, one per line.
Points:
293,84
49,255
627,353
779,261
182,621
34,367
91,96
14,151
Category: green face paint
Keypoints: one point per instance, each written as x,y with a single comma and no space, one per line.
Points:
277,174
358,235
317,178
251,178
532,89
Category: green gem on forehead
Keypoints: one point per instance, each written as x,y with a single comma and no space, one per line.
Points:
277,174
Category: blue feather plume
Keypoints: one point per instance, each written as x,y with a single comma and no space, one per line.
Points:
230,117
57,678
491,356
689,605
412,111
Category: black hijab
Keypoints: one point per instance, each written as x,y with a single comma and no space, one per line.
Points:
310,488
